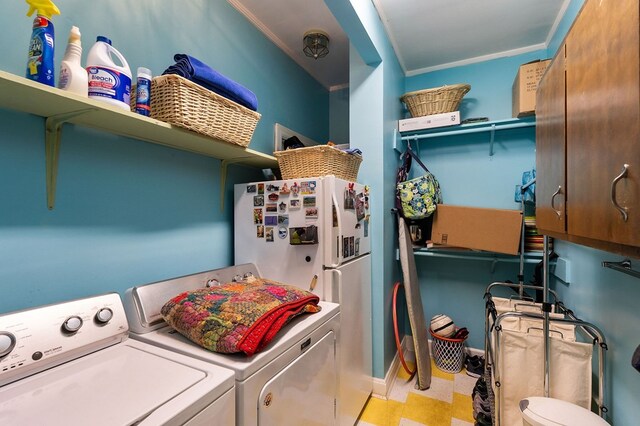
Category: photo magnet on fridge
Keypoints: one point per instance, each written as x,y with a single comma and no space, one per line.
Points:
282,207
360,207
271,220
268,234
271,208
258,200
349,198
284,190
311,213
294,204
257,216
351,246
283,219
309,201
357,249
282,232
251,188
261,188
345,247
260,231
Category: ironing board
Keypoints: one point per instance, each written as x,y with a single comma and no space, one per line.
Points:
414,307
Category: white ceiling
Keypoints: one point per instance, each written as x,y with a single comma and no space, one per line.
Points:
426,34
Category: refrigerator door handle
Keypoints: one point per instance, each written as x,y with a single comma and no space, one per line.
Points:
339,246
334,294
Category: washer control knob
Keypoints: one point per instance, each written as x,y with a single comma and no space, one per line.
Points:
104,315
72,324
7,343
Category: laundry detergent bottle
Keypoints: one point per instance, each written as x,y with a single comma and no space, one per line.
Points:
109,81
41,47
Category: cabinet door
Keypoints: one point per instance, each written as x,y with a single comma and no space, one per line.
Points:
603,121
550,148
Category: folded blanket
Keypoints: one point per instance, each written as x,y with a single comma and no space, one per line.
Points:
237,317
200,73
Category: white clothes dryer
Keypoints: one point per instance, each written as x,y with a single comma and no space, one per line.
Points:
72,364
293,381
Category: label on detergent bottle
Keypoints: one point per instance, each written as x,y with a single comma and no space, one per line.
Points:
109,83
40,60
143,98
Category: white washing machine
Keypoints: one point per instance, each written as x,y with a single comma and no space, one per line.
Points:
293,381
72,364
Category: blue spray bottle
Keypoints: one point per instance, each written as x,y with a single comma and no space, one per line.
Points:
40,63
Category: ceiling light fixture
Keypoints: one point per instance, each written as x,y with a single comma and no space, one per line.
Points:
315,44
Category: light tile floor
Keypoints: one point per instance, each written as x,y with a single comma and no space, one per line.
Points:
446,403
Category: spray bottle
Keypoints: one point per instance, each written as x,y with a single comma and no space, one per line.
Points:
73,77
40,63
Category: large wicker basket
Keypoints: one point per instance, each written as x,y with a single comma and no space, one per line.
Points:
318,160
435,101
181,102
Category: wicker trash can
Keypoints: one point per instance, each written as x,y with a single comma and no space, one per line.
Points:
448,353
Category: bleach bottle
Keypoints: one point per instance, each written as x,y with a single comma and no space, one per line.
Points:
40,62
108,81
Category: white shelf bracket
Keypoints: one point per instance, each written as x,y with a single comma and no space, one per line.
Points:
493,135
397,141
52,135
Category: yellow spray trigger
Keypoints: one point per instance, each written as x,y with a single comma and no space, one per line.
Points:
44,7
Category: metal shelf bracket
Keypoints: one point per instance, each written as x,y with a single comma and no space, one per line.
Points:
493,136
53,133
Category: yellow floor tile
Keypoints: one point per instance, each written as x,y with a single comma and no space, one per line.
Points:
462,407
436,372
380,412
427,410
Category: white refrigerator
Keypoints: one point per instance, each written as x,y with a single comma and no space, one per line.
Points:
314,233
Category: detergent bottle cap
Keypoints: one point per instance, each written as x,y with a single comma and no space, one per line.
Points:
104,40
45,8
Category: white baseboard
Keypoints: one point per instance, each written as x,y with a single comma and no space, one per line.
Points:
382,387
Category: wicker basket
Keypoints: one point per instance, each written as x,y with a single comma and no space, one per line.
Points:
435,101
318,160
181,102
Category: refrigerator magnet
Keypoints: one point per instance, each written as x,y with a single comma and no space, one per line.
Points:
273,196
283,219
349,197
360,207
345,247
251,188
273,188
308,187
285,189
260,231
295,189
271,208
357,249
282,232
257,216
311,213
294,204
366,227
309,201
261,188
258,200
282,207
351,246
268,234
270,220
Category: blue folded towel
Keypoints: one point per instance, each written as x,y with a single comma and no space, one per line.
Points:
353,151
200,73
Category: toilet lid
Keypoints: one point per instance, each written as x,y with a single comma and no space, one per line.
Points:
540,411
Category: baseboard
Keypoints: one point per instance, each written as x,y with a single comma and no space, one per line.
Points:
382,387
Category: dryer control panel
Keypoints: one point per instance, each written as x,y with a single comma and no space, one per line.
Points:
36,339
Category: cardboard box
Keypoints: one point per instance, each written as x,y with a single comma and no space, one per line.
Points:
429,121
525,86
493,230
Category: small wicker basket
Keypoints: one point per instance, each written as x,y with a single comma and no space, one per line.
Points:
318,160
183,103
435,101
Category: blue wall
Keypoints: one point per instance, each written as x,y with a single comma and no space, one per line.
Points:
128,212
339,116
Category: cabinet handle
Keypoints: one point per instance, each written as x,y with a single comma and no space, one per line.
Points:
558,212
622,210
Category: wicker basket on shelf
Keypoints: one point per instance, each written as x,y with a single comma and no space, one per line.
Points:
435,101
318,160
183,103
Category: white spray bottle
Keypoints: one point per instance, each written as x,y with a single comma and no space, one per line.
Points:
73,77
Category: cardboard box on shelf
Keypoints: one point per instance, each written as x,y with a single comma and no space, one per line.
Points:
495,230
429,121
525,86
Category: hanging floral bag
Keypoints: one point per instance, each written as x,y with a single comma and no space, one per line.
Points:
416,198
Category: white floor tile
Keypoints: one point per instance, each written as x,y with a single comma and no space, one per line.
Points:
407,422
440,389
458,422
361,423
462,383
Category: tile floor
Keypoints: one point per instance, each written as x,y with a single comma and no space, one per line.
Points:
446,403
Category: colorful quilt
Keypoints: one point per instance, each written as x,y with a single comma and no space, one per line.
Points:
239,316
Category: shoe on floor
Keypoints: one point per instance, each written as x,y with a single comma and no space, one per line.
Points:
483,420
475,366
480,388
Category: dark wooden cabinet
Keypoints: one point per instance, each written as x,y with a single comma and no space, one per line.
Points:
550,148
591,150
